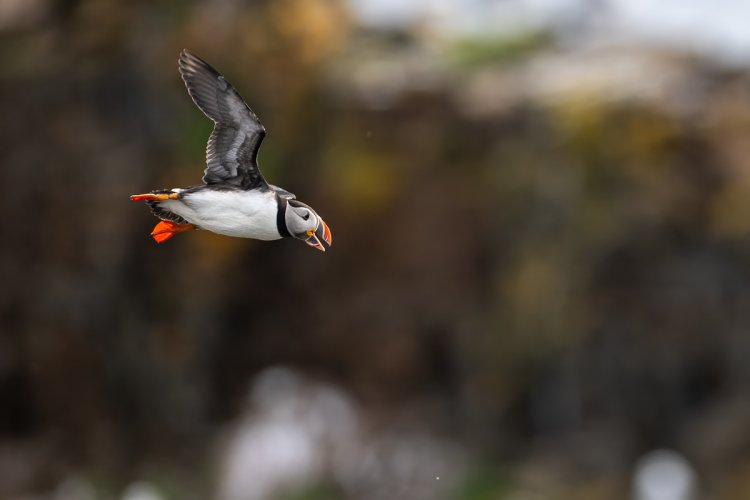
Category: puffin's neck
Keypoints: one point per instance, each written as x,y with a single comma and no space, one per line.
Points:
281,206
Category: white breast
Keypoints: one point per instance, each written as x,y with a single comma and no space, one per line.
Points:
244,214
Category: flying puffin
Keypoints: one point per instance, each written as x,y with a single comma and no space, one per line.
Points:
234,198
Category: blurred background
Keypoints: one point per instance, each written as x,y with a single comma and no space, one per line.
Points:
539,286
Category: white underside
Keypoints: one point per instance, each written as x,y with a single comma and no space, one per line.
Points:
244,214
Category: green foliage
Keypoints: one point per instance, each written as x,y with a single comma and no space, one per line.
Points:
318,492
484,483
474,52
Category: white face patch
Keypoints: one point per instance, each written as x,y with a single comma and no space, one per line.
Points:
299,220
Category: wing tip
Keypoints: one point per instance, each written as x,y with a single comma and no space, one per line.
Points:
189,63
189,55
185,57
186,61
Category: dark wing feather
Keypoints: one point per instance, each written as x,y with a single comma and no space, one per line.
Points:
282,192
232,150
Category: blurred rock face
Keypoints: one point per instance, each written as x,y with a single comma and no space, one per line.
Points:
541,255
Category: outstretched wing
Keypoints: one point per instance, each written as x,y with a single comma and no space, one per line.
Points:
232,150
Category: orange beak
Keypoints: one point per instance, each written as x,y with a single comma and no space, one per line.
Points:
322,232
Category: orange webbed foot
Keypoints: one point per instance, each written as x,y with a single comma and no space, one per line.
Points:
165,229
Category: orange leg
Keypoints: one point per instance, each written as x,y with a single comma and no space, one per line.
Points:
166,229
155,197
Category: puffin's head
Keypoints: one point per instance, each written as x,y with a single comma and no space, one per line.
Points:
304,224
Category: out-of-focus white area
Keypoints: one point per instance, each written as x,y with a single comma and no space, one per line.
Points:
468,17
141,490
591,75
297,433
714,29
599,51
664,475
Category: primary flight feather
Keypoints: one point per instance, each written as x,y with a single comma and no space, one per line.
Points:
234,199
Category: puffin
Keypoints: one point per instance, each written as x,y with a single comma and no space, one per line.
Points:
234,199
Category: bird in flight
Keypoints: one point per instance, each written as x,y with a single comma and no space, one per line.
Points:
234,199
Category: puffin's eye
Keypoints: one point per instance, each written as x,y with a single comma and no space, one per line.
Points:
306,216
